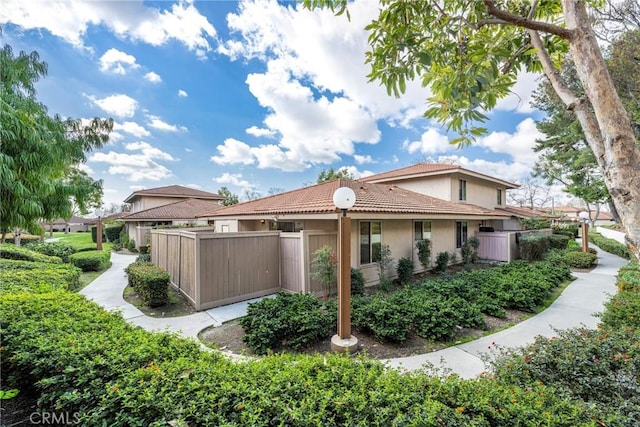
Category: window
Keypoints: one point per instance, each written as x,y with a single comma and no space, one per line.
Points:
461,233
421,230
499,196
462,190
286,226
370,241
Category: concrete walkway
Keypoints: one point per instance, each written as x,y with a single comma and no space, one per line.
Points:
576,306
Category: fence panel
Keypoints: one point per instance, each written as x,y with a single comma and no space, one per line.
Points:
291,269
314,241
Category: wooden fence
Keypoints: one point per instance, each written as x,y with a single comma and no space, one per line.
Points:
502,245
213,269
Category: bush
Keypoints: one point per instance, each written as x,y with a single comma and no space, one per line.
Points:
144,249
59,250
424,252
94,233
570,230
535,223
91,260
288,321
442,262
610,245
405,270
622,311
572,245
150,282
143,258
357,282
580,259
24,238
469,250
37,276
386,317
323,268
533,246
628,278
131,245
10,251
559,241
112,233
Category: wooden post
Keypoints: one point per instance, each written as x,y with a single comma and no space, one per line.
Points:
344,278
585,237
99,235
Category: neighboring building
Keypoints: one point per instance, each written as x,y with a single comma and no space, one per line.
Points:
170,205
572,214
519,213
392,208
71,225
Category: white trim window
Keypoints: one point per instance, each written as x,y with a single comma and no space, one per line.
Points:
461,233
370,241
421,230
462,190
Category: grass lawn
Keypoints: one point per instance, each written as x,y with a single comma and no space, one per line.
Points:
78,240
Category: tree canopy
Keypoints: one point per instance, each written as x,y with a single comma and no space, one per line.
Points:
229,197
40,154
469,54
331,174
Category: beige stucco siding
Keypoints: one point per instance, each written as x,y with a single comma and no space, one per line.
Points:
435,186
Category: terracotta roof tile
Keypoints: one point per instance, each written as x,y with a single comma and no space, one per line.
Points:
375,198
183,209
174,191
525,212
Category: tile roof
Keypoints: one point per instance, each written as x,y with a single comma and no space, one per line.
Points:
426,169
374,198
526,212
182,209
174,191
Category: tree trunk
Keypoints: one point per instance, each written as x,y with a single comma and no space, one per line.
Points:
615,148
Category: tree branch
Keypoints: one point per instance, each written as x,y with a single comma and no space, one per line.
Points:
526,22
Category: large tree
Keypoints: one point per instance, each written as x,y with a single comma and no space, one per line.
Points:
469,53
331,174
229,197
40,154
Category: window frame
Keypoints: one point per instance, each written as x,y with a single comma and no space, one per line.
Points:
422,229
499,196
462,233
370,254
462,190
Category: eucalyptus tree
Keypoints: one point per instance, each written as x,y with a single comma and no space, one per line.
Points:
40,154
469,53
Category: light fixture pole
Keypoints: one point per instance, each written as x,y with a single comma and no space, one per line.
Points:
99,213
344,198
584,216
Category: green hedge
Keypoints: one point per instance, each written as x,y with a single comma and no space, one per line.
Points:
151,283
610,245
59,250
91,260
112,232
628,278
580,259
37,276
10,251
94,233
81,359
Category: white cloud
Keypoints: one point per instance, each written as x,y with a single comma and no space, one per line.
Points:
70,19
196,186
233,152
182,93
117,62
157,123
85,168
188,150
520,98
354,171
508,171
118,105
361,160
139,166
431,142
233,179
258,132
518,145
137,187
153,77
132,128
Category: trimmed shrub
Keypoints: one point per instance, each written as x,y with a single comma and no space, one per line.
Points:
533,246
59,250
442,262
628,278
405,270
37,276
357,281
143,258
572,245
567,230
94,233
558,241
91,260
535,223
386,317
150,282
610,245
469,250
10,251
622,311
580,259
288,321
112,232
424,252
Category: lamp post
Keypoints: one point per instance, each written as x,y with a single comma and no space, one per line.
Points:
99,213
344,198
584,216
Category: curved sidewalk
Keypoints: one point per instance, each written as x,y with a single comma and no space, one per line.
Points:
576,306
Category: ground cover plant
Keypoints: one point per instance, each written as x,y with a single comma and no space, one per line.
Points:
610,245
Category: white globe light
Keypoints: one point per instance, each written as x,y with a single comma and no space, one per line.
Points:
344,198
584,215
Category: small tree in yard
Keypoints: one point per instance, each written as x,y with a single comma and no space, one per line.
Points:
385,264
470,250
324,268
424,252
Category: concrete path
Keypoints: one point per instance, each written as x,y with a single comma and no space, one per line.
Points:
575,307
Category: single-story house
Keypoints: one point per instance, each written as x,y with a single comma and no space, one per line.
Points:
520,213
71,225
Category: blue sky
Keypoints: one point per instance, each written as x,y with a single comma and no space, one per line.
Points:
251,95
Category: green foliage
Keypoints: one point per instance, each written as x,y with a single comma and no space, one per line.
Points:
24,238
357,282
442,262
288,321
628,278
580,259
570,230
622,311
94,234
59,250
384,262
470,250
112,233
143,258
37,276
424,252
91,260
323,268
229,197
9,251
333,174
558,241
535,223
150,282
386,317
610,245
405,270
131,245
533,246
572,245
